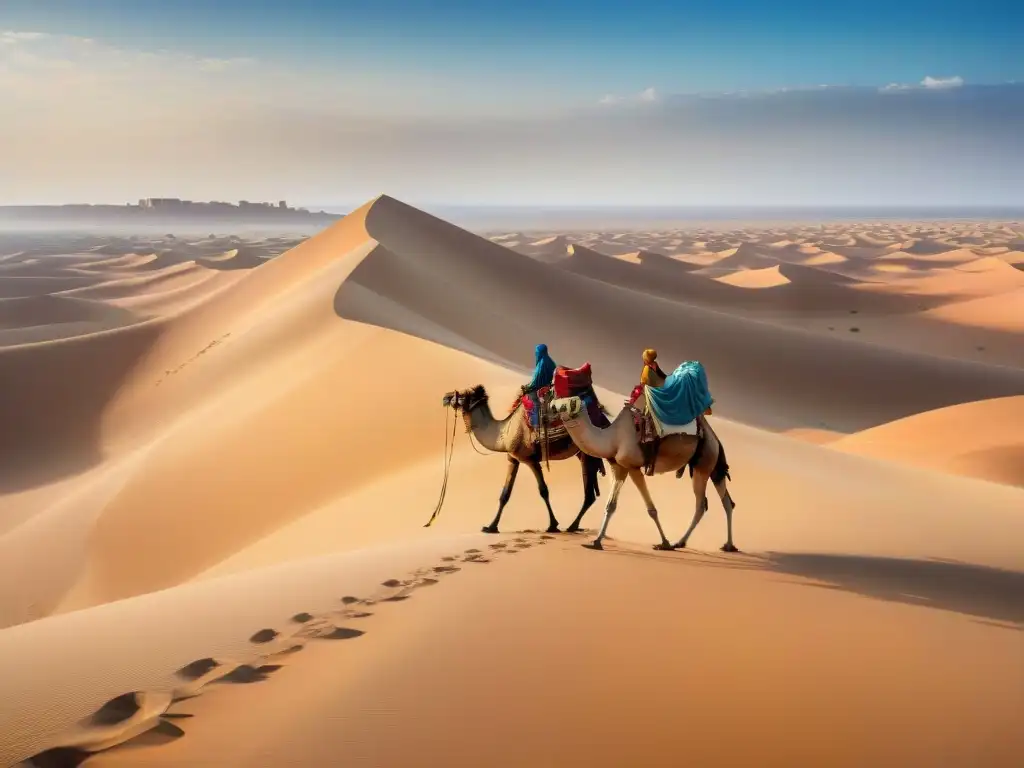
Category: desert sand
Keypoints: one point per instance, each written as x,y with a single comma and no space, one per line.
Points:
219,454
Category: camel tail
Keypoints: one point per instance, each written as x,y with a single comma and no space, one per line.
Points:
721,470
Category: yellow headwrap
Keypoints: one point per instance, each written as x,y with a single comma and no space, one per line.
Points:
650,355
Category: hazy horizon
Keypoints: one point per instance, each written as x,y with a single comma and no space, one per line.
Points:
885,104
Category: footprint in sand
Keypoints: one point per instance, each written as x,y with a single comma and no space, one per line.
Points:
499,545
118,721
199,673
302,618
246,673
446,569
342,633
194,670
264,636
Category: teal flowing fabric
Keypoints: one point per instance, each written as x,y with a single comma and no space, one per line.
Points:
683,397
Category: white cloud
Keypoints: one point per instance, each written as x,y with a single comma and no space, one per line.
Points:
929,82
39,67
648,95
942,82
12,38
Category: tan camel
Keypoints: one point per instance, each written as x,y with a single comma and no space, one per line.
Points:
513,437
620,445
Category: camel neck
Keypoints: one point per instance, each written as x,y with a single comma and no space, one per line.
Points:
487,431
590,439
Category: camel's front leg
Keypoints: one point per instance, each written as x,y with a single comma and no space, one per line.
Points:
609,510
543,488
700,485
506,494
641,485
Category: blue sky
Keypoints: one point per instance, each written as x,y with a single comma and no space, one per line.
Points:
585,46
175,96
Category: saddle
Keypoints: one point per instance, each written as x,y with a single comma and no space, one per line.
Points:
542,428
567,382
573,381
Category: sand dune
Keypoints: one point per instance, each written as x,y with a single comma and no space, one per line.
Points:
767,277
954,256
983,277
981,439
823,258
177,276
215,492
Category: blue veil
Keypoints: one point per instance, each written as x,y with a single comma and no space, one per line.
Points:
543,370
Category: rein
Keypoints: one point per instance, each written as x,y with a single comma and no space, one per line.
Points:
449,449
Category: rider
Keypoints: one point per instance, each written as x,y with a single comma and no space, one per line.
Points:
652,375
543,373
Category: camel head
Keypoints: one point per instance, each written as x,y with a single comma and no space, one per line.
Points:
566,407
467,400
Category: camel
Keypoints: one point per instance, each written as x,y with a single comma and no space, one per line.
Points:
513,437
620,445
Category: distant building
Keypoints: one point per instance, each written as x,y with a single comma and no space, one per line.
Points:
164,203
173,205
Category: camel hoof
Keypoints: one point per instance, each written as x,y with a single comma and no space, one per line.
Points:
553,529
664,547
679,545
593,545
490,529
572,528
729,548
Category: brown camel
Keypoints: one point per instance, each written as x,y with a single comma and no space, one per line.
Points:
619,444
513,437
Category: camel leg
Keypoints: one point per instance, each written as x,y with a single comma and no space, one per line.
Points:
506,494
589,467
609,510
641,485
723,494
700,485
542,486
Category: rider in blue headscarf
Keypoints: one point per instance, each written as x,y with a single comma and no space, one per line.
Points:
543,373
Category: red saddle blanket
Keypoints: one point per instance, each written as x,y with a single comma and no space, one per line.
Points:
527,400
572,381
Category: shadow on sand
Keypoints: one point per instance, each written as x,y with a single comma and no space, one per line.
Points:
972,590
990,594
